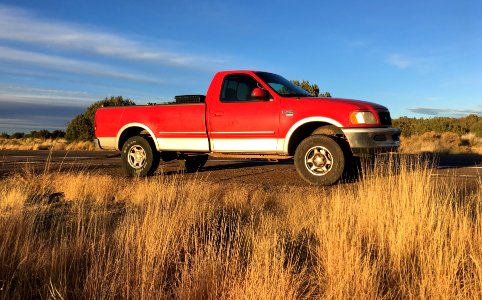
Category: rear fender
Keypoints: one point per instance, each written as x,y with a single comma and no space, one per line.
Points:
130,125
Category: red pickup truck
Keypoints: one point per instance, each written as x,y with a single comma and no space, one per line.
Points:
249,114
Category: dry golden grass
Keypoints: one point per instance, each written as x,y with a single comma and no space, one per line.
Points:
44,144
447,142
396,234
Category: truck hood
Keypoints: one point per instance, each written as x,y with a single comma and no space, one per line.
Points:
356,104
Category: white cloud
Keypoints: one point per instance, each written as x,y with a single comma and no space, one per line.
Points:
432,111
401,61
21,26
29,95
34,122
69,65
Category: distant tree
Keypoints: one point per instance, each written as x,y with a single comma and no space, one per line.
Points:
472,123
17,135
45,134
406,124
4,135
82,126
58,134
42,134
31,134
311,88
477,128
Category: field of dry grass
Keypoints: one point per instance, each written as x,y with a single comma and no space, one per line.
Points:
446,143
398,233
43,144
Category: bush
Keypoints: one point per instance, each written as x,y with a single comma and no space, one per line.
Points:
42,134
81,128
17,135
57,134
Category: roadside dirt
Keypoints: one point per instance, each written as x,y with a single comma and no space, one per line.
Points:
466,169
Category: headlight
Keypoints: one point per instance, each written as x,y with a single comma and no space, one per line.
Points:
362,117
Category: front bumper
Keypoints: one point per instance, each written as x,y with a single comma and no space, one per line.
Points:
366,141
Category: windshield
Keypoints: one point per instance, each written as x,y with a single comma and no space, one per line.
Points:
283,86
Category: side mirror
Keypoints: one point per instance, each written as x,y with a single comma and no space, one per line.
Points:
259,93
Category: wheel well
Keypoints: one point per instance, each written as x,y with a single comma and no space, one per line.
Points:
308,129
130,132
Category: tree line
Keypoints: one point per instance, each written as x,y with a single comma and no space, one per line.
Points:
413,126
40,134
311,88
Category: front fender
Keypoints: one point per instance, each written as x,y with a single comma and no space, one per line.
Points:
302,122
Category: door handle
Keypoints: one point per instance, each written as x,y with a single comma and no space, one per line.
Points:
219,114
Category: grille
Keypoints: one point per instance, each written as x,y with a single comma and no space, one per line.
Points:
384,117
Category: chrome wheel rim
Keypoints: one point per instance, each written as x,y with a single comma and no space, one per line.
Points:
137,157
318,160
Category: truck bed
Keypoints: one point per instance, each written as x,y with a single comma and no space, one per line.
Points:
174,126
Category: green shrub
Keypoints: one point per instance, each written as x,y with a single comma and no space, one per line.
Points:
81,128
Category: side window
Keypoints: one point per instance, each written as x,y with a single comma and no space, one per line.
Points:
237,88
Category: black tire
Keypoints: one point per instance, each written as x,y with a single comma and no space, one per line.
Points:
139,157
320,159
194,163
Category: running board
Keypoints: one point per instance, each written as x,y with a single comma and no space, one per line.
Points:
247,156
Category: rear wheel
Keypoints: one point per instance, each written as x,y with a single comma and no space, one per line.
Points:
139,157
194,163
319,159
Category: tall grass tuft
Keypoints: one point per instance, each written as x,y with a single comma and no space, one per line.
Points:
397,233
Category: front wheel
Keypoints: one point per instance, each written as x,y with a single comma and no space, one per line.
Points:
139,157
319,159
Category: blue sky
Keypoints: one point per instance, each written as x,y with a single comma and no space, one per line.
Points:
419,58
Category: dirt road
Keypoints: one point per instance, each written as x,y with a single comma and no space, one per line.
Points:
257,172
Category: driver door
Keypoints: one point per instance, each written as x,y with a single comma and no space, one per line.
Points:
241,123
